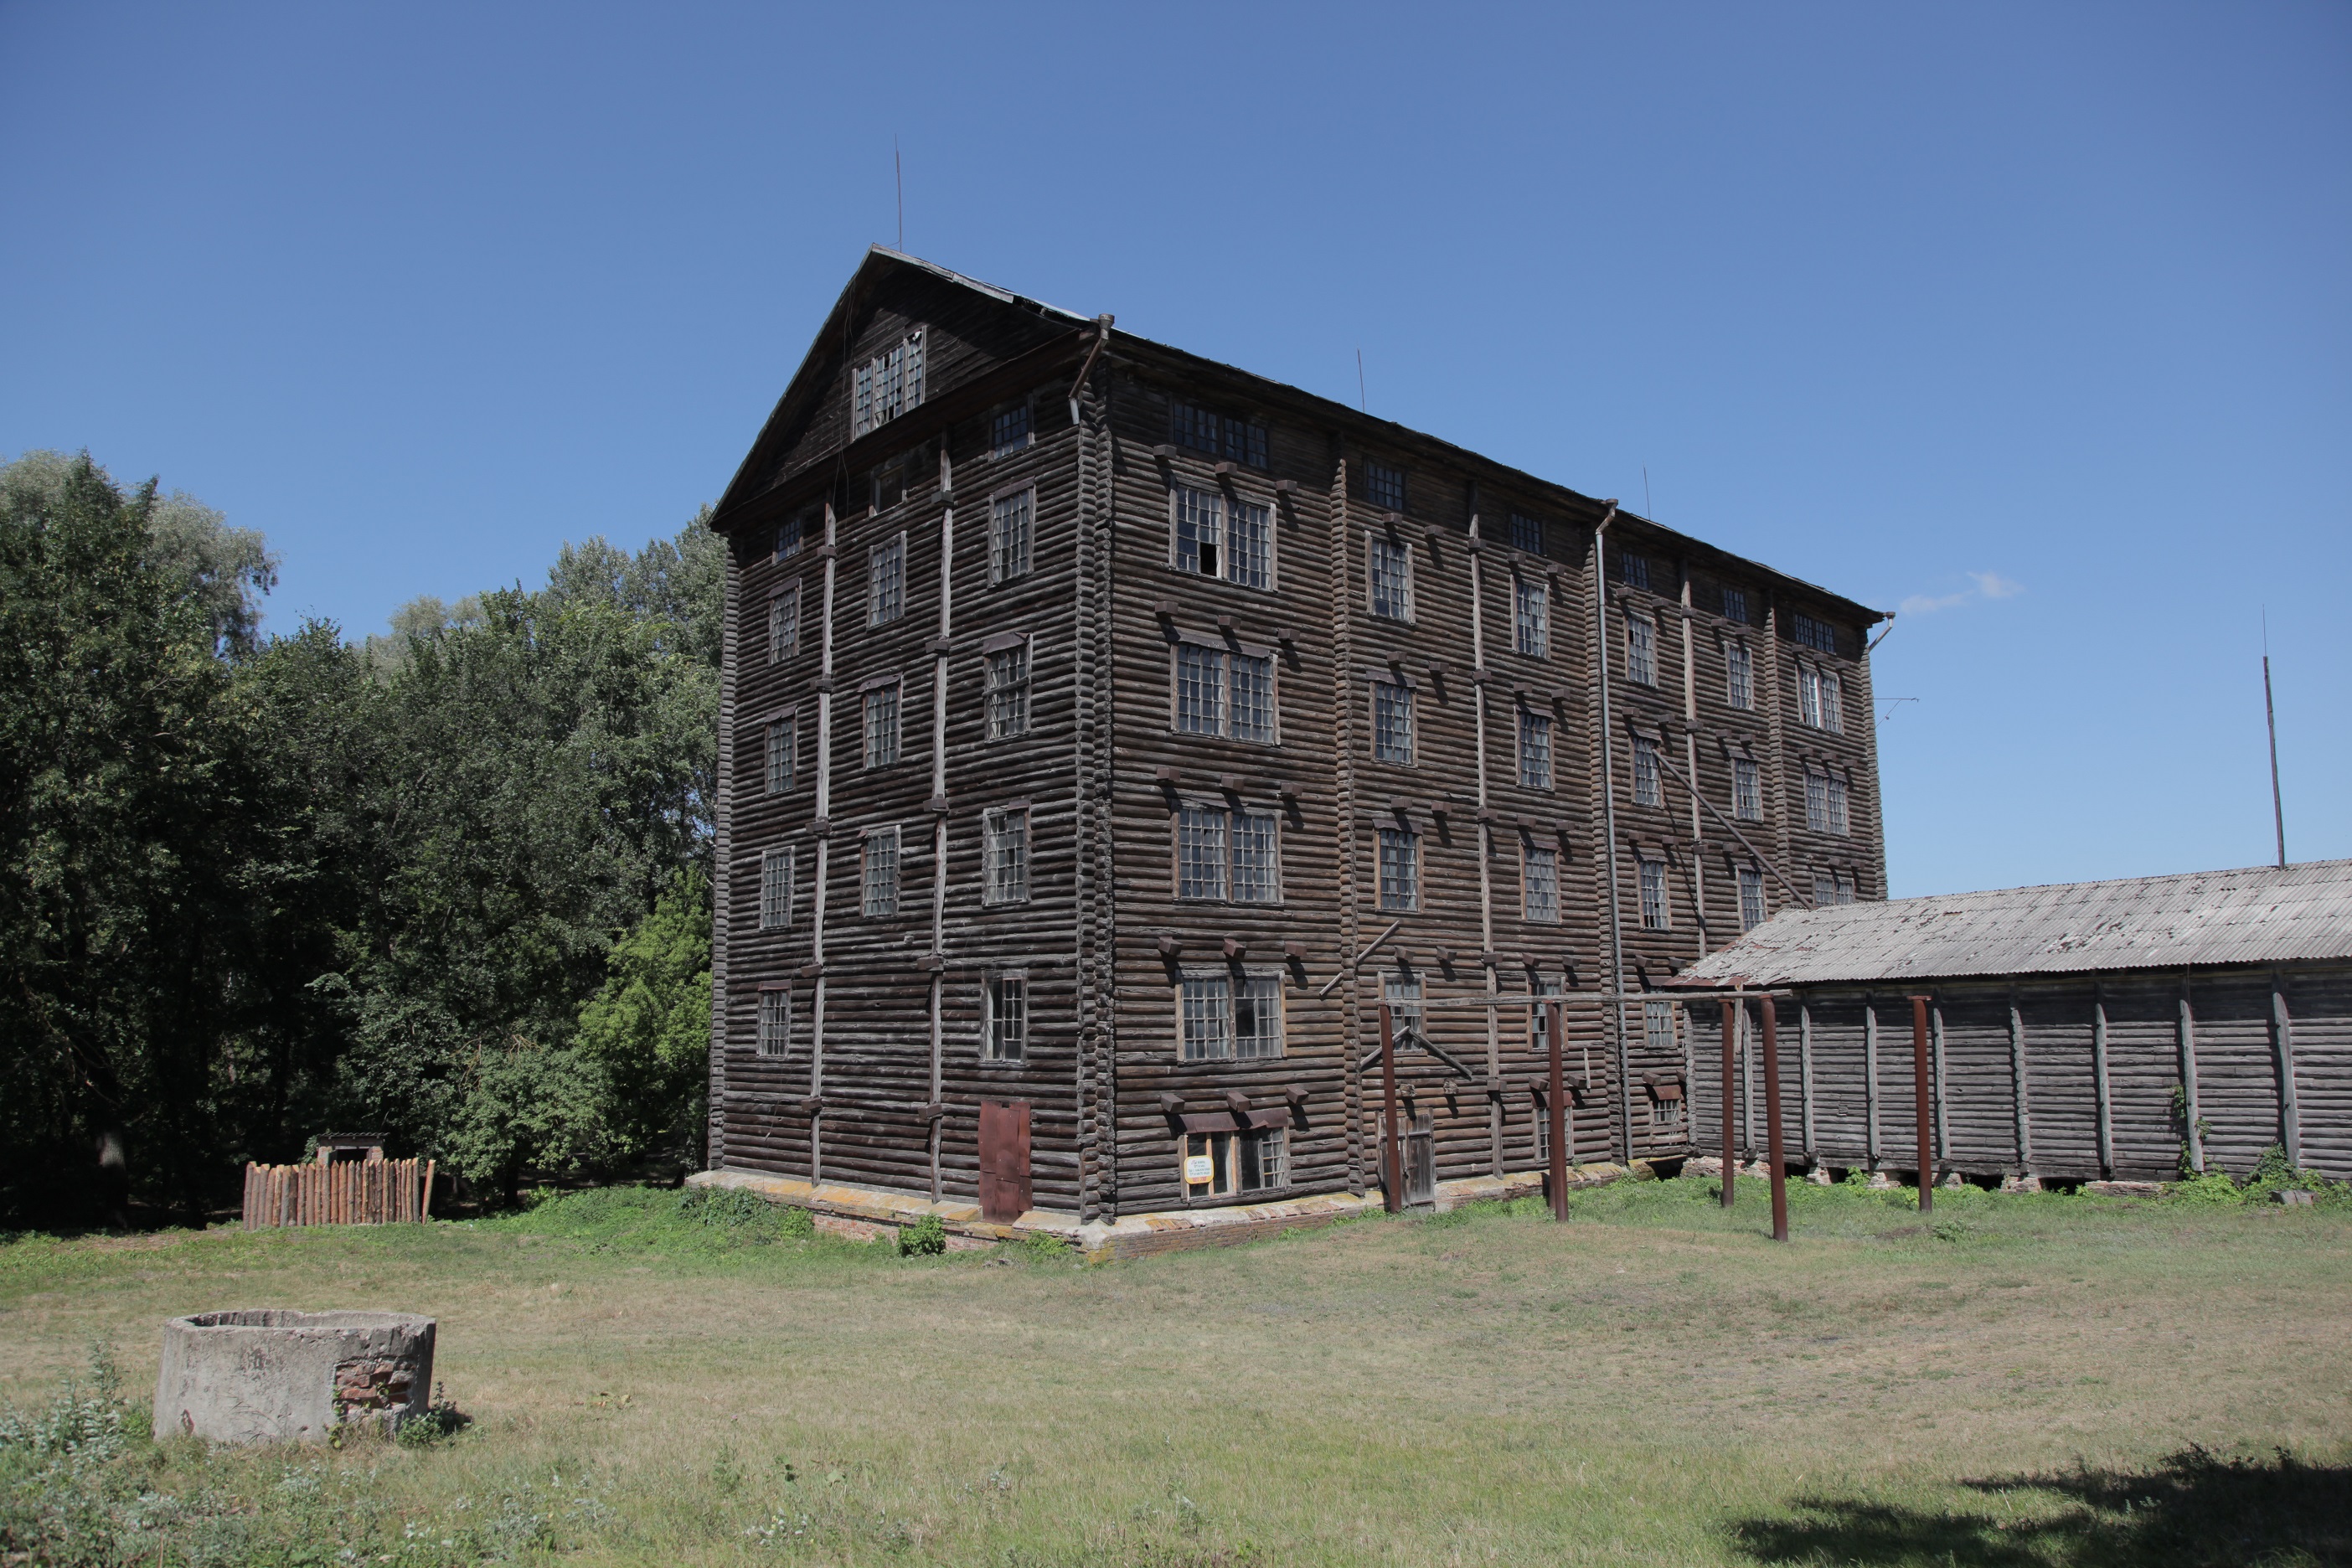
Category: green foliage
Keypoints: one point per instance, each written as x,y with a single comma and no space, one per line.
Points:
2275,1172
1043,1247
2211,1189
926,1237
646,1035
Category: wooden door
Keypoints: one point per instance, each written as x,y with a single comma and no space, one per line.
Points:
1421,1162
1004,1160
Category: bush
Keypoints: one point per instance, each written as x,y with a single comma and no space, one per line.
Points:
926,1237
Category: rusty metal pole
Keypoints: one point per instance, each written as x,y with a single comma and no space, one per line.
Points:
1772,1124
1391,1146
1556,1118
1730,1158
1920,1086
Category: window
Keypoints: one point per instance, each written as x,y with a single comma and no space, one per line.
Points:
1008,431
1247,1160
1735,605
1527,533
1646,790
1222,693
1222,854
886,581
1535,750
1008,535
882,724
797,530
1633,571
1399,868
1219,434
880,877
1833,702
1825,889
1821,698
1666,1108
1006,845
1838,823
1653,896
1845,886
1539,885
1810,633
1531,618
780,754
775,888
1226,1017
1004,1026
1539,1026
1752,898
1641,649
887,384
1402,991
1390,565
784,623
1008,691
1392,723
1739,675
1216,538
775,1021
1658,1029
1257,1017
1746,790
1384,486
1809,696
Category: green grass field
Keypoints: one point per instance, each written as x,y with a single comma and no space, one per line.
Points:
2034,1379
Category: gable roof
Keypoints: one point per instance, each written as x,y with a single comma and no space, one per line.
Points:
2263,914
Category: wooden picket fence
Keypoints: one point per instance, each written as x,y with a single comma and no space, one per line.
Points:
348,1192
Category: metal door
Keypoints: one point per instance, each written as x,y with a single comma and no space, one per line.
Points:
1421,1162
1004,1160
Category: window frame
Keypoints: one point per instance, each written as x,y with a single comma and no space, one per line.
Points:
785,622
1409,839
992,1015
867,407
1640,653
1012,693
1748,803
772,1024
867,842
1530,629
1375,539
1402,701
1739,675
868,695
788,723
1752,913
1230,515
1222,655
1656,903
1646,755
997,446
895,547
1250,449
1002,567
1228,882
778,889
995,890
1384,486
1528,852
1531,721
1521,523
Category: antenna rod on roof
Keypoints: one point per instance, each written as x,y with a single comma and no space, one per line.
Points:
1363,401
898,171
2270,717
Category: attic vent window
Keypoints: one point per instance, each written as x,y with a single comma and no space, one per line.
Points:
889,384
1219,434
1812,633
1384,486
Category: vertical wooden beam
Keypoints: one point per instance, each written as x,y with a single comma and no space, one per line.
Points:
824,843
1805,1082
1731,1160
1943,1082
2099,1077
1870,1081
1747,1083
2188,1076
2290,1104
1391,1130
1555,1116
1485,832
2018,1083
1348,832
1777,1171
1920,1096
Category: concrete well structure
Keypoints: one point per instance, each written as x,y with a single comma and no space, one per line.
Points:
268,1375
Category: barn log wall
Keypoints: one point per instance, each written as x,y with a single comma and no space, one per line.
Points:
890,1096
2019,1087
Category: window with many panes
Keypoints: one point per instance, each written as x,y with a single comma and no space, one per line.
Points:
784,622
1227,1017
1400,989
1641,649
775,888
1008,534
1221,691
1734,605
1739,675
1236,440
1008,430
1225,854
1400,853
1531,616
1818,636
1004,1026
1539,884
1535,750
1633,570
1384,487
1392,723
1004,842
882,724
1837,804
1746,790
797,531
886,581
1008,690
1653,896
1833,702
1821,698
1845,886
887,385
775,1037
1646,788
1232,539
1752,898
1389,568
1247,1160
1817,800
879,873
1825,889
1527,533
780,748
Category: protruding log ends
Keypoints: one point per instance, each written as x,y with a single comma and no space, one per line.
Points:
1295,1093
1172,1104
810,971
1169,947
1286,486
931,962
1237,1102
1234,949
811,1104
936,1111
937,805
1165,451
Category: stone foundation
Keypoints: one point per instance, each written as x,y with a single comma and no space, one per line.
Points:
274,1376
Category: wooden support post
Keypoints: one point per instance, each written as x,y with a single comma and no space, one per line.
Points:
1812,1149
2018,1083
1731,1160
1392,1133
430,1166
1556,1118
1919,1085
2104,1100
1778,1170
1942,1060
2290,1105
1869,1081
2189,1077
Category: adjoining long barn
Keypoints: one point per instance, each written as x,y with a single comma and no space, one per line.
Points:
2083,1031
1106,732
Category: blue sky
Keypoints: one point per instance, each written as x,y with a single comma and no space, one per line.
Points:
2031,320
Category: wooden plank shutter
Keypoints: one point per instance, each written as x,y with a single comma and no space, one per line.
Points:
1004,1185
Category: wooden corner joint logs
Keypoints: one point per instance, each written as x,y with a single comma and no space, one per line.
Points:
340,1192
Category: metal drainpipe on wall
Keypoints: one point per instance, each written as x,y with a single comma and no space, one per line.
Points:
1609,825
1690,758
938,795
1486,830
823,843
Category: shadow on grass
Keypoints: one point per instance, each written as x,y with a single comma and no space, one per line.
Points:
2194,1508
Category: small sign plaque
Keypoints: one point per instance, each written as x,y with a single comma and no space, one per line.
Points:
1197,1168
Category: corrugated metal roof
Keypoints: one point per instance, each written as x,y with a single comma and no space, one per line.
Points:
2263,914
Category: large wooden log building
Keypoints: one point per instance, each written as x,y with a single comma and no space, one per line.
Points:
1107,732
